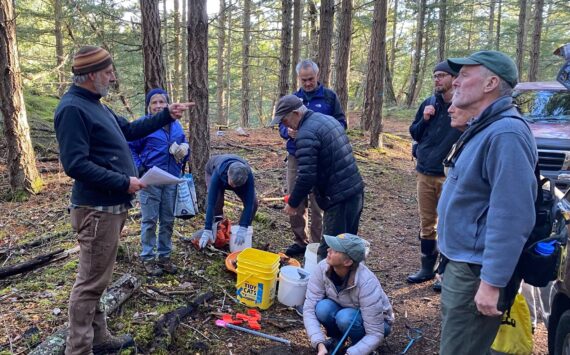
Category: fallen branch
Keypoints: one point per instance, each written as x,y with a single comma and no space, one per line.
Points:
115,295
28,265
34,243
166,325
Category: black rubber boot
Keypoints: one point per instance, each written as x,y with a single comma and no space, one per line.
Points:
428,260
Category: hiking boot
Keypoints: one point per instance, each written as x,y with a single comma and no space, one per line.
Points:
151,268
299,310
112,344
167,266
295,249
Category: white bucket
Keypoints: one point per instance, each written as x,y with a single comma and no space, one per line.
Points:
292,285
311,257
248,239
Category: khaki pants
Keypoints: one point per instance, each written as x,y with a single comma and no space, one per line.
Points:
300,222
98,235
429,190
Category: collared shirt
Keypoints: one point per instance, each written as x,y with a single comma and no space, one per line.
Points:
115,209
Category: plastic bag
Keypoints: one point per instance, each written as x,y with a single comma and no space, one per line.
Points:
515,333
186,205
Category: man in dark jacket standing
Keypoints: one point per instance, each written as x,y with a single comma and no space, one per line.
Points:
94,152
326,166
434,136
323,100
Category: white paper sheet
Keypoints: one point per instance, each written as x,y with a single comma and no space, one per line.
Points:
157,176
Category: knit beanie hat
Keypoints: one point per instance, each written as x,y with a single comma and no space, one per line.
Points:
154,92
444,66
89,59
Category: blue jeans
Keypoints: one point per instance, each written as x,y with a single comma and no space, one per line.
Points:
336,321
157,206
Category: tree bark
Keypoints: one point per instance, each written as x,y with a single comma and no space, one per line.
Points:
23,174
379,50
343,54
154,72
285,55
184,53
60,57
325,40
533,70
498,32
521,35
220,82
441,28
177,54
245,64
296,52
491,27
198,92
390,94
417,52
314,38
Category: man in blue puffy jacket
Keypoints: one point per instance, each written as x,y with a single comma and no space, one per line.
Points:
323,100
167,149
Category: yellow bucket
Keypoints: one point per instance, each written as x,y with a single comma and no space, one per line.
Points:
256,277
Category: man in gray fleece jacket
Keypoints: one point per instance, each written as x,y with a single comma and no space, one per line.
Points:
343,291
486,207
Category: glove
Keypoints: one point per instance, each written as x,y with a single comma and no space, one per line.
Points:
207,236
240,235
179,151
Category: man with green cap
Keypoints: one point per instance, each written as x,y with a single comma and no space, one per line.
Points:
486,209
346,298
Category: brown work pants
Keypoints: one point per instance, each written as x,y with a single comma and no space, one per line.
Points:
300,221
98,235
429,190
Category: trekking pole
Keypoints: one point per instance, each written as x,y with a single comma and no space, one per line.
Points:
221,323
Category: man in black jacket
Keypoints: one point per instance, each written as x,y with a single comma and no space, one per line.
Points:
94,152
326,166
433,136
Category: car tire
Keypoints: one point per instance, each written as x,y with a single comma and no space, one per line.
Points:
562,339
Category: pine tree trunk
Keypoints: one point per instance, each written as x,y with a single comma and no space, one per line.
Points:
390,94
379,50
285,55
198,92
343,54
177,54
394,28
491,29
314,39
228,67
245,64
521,35
533,70
441,28
325,40
184,53
417,52
21,161
220,82
297,27
498,33
154,73
60,57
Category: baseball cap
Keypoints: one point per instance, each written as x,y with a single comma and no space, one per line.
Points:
350,244
497,62
285,105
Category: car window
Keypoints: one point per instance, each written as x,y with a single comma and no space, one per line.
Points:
544,105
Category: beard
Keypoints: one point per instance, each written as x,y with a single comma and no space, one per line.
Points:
101,88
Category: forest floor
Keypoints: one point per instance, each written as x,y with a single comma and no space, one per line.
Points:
37,301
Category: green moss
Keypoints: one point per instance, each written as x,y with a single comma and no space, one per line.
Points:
40,107
215,268
261,217
71,265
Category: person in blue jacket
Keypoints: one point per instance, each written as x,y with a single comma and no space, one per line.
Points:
320,99
167,149
228,172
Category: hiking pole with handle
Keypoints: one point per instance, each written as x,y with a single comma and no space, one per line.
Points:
221,323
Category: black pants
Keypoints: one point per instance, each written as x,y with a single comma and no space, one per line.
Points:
343,217
219,206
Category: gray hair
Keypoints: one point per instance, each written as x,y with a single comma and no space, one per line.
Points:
238,173
80,78
307,63
505,89
302,110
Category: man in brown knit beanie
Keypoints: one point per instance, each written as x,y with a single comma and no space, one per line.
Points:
94,152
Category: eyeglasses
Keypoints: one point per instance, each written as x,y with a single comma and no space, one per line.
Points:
440,76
